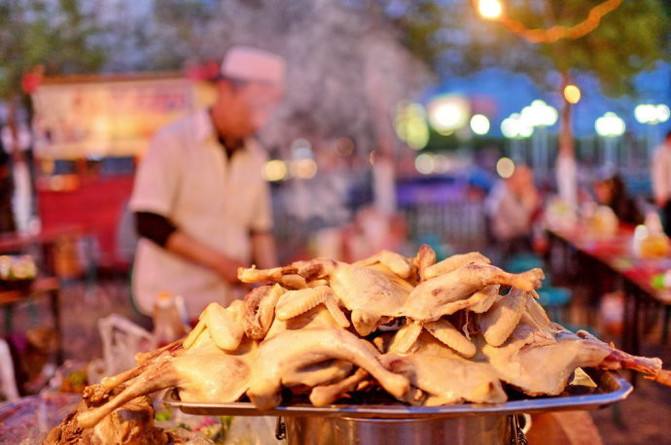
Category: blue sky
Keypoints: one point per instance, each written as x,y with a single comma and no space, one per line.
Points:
509,92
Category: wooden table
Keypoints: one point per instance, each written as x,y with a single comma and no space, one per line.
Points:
615,256
44,286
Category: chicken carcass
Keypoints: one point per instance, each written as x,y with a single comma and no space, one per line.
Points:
290,351
372,292
444,376
540,356
458,290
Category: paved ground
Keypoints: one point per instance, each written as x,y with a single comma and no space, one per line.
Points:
643,419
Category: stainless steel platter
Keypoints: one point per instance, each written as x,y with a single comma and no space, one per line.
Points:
611,388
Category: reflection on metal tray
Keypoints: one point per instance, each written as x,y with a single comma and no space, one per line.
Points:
612,388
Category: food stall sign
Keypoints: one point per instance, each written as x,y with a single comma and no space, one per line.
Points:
106,116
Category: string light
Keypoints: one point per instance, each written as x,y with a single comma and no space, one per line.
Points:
490,9
553,33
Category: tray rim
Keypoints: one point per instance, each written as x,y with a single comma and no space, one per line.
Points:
621,389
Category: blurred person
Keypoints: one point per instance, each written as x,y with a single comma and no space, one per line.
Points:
201,206
661,181
610,191
7,223
511,207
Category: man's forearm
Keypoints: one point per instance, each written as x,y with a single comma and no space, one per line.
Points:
264,250
163,232
195,251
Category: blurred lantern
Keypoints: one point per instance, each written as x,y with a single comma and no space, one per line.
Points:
32,79
572,94
651,115
505,167
303,168
480,124
490,9
275,170
610,126
540,114
410,125
204,71
448,113
425,164
514,127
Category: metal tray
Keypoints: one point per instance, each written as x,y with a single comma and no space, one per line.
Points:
612,388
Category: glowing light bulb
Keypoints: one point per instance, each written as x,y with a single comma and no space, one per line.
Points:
505,167
490,9
480,124
572,94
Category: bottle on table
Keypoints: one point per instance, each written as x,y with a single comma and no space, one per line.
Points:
168,324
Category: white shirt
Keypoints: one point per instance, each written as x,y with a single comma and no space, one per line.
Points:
509,217
661,173
567,180
187,177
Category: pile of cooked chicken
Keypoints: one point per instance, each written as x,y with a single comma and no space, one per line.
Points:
427,332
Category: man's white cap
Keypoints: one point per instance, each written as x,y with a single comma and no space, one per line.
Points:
247,63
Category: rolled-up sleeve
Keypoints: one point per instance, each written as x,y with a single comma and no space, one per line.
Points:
158,175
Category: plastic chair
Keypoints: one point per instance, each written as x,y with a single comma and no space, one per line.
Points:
122,339
7,379
555,300
522,262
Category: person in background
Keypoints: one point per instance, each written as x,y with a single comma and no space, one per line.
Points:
661,181
611,191
7,223
511,207
200,203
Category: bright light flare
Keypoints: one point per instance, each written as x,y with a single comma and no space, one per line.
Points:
652,114
540,114
448,113
505,167
610,125
480,124
411,126
425,163
514,126
303,168
572,94
275,170
490,9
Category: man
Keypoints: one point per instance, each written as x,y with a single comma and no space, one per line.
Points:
201,206
661,181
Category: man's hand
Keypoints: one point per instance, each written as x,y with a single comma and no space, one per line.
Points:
227,268
193,250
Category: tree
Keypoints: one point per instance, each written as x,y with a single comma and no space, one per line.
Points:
44,37
627,41
347,67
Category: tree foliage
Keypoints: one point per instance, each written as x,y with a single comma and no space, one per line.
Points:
628,40
60,35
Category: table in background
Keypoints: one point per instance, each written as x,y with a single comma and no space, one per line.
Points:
44,286
614,254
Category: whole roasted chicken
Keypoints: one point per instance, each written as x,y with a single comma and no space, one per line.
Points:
421,331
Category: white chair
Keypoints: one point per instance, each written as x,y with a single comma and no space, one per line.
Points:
122,339
7,380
